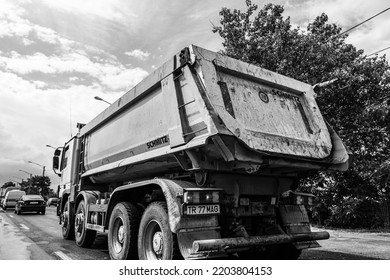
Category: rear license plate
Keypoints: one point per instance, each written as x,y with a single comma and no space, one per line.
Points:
33,202
202,209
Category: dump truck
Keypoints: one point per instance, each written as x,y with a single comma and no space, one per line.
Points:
201,159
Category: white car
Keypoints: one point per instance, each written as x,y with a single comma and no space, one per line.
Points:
11,198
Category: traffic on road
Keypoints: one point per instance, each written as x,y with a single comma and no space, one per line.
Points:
38,237
31,236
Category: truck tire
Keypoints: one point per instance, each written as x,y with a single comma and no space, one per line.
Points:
123,232
84,237
67,222
155,239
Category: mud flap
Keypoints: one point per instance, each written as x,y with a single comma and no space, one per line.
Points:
198,228
294,220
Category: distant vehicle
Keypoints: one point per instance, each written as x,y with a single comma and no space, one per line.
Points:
11,198
30,203
4,191
52,201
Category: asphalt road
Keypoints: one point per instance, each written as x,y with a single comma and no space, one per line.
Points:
33,236
351,245
38,237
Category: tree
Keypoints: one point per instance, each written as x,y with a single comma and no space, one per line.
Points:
37,185
356,105
8,184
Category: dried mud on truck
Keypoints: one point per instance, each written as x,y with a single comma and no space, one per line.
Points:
199,160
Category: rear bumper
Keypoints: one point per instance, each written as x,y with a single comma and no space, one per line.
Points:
238,243
38,208
9,204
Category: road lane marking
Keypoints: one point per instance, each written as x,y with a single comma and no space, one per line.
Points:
24,226
11,216
62,256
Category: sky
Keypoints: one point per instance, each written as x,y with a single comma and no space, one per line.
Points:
55,56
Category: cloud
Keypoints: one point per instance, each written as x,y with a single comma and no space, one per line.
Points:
112,9
47,85
11,21
141,55
33,116
108,72
125,79
371,36
69,57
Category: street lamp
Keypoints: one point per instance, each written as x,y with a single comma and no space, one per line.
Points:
50,146
43,167
101,99
55,148
30,177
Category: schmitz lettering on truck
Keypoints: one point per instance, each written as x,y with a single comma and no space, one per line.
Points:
158,142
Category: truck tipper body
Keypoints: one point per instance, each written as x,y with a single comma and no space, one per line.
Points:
201,159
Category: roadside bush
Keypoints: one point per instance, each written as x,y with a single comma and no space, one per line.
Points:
356,213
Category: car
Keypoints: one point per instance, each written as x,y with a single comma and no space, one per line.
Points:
31,203
52,201
11,198
4,191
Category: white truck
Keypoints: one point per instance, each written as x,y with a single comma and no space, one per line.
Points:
200,160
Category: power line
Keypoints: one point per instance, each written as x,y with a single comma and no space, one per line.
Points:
363,22
379,51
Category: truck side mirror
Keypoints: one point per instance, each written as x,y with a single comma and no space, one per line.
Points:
56,162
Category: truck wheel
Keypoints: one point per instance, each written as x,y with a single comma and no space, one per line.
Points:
155,239
67,218
84,237
123,232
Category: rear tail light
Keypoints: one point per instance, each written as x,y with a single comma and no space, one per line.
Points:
296,198
215,196
244,201
303,199
201,197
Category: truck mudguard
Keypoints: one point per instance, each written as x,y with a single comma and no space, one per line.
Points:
171,189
